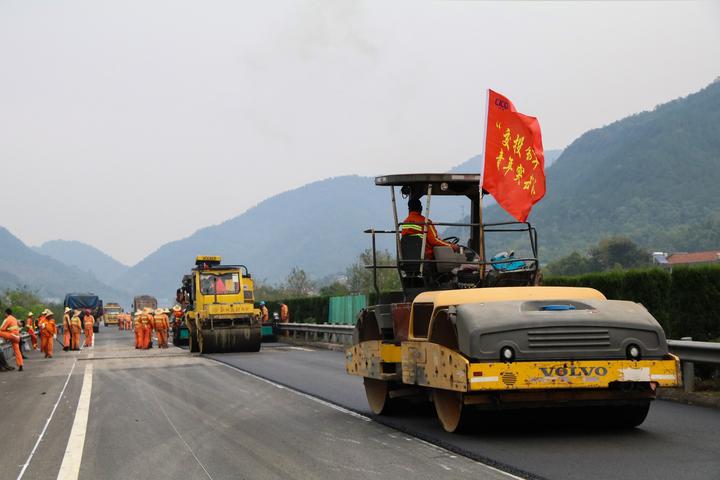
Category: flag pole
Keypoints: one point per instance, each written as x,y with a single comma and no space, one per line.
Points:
481,253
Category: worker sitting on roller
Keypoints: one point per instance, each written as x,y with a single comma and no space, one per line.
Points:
414,225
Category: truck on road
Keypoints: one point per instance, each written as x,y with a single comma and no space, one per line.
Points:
86,301
112,311
144,301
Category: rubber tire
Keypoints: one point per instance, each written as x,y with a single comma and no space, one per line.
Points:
193,344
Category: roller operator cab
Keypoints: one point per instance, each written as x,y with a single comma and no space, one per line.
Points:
220,315
474,334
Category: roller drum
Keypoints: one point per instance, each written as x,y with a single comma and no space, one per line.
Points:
229,340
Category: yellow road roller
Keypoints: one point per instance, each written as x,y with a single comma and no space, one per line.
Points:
472,334
220,313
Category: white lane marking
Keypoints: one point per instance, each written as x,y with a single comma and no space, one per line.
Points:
358,415
301,349
70,467
47,422
180,436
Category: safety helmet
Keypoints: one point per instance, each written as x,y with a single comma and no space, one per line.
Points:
262,303
30,314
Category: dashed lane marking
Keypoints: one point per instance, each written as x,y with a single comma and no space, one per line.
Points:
70,468
47,422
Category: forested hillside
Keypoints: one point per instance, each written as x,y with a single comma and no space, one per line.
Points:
21,266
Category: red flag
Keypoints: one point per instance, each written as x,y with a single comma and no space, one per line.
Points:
514,160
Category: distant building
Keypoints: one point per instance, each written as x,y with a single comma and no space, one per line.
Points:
683,258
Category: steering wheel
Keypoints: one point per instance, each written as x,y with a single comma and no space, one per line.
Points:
451,240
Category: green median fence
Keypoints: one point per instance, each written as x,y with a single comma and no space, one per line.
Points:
344,310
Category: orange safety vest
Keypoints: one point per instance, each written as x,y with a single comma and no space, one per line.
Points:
50,328
89,321
161,321
413,225
284,313
75,322
10,325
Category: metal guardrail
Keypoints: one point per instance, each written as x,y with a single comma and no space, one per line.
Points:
690,352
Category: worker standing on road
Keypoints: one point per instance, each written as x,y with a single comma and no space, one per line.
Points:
75,329
138,330
42,320
161,327
264,315
177,314
66,329
30,327
88,324
148,327
48,334
10,331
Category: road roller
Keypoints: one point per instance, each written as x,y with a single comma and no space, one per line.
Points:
475,335
219,311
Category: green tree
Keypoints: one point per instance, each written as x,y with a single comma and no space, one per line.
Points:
360,278
618,252
573,264
334,289
298,283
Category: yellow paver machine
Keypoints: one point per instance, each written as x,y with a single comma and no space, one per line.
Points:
220,314
473,335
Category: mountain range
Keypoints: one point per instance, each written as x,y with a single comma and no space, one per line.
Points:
652,176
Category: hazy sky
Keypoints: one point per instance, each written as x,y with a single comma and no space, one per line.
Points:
129,124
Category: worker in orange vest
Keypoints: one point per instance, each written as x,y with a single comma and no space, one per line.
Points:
10,331
284,313
66,329
128,322
88,324
42,320
161,327
414,226
264,314
48,334
75,329
138,329
30,328
146,326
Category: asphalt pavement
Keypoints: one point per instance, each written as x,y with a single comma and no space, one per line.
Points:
113,412
675,442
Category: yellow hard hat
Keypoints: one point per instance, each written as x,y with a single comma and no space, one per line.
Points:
67,309
30,314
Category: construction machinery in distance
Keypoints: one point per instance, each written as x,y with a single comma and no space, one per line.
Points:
474,335
219,310
112,312
141,302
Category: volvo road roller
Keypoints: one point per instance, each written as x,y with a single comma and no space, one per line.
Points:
472,334
220,315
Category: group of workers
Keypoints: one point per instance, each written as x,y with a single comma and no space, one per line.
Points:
11,330
265,313
125,321
147,320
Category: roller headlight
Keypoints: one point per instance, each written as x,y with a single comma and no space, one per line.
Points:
633,352
507,354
